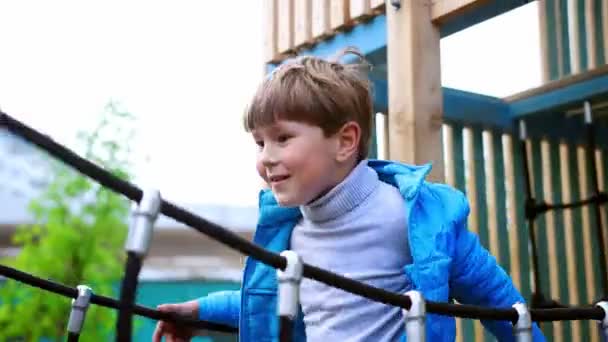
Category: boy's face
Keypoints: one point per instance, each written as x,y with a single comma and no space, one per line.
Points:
296,160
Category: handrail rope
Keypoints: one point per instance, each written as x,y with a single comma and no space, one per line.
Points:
71,292
234,241
533,209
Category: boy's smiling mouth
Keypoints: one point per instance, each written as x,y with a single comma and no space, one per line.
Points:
278,178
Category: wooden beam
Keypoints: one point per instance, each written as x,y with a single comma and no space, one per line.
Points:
443,10
414,86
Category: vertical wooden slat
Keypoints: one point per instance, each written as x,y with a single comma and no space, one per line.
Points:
471,166
577,225
450,179
545,52
488,153
586,228
512,219
320,18
599,35
563,21
303,22
286,25
550,233
559,37
573,36
270,30
590,33
339,14
571,265
605,29
560,245
501,202
359,8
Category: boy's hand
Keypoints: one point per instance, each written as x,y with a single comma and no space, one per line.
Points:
171,331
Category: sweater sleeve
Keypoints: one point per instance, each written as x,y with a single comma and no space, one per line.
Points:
221,307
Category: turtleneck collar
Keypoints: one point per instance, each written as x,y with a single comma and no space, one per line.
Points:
344,197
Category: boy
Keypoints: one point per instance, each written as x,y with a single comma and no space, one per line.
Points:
378,222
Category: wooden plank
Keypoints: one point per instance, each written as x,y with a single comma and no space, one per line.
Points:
473,194
573,36
450,179
489,162
359,8
340,14
605,28
545,51
414,87
512,219
587,239
571,265
303,22
591,34
270,30
561,19
550,233
320,18
443,10
286,25
559,27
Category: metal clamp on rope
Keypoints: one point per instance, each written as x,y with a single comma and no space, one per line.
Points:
415,317
604,322
79,309
289,284
523,135
588,116
523,327
142,222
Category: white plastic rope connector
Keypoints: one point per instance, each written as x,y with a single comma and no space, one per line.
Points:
588,117
522,130
79,309
523,327
604,322
143,218
289,284
415,317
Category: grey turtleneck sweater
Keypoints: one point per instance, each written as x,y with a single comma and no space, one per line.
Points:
359,230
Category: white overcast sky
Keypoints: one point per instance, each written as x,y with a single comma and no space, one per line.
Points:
186,70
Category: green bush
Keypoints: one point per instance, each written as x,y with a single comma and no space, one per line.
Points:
77,238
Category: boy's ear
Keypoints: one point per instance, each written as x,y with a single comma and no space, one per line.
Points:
348,141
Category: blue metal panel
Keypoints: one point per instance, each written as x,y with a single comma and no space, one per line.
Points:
475,109
572,95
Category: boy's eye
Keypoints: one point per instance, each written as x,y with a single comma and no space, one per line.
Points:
283,138
260,143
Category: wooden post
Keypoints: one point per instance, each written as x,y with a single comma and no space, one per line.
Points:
414,86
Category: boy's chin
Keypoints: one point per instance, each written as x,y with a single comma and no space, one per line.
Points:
284,201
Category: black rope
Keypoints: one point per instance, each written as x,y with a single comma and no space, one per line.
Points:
234,241
71,292
285,329
531,223
128,292
597,209
533,209
72,337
